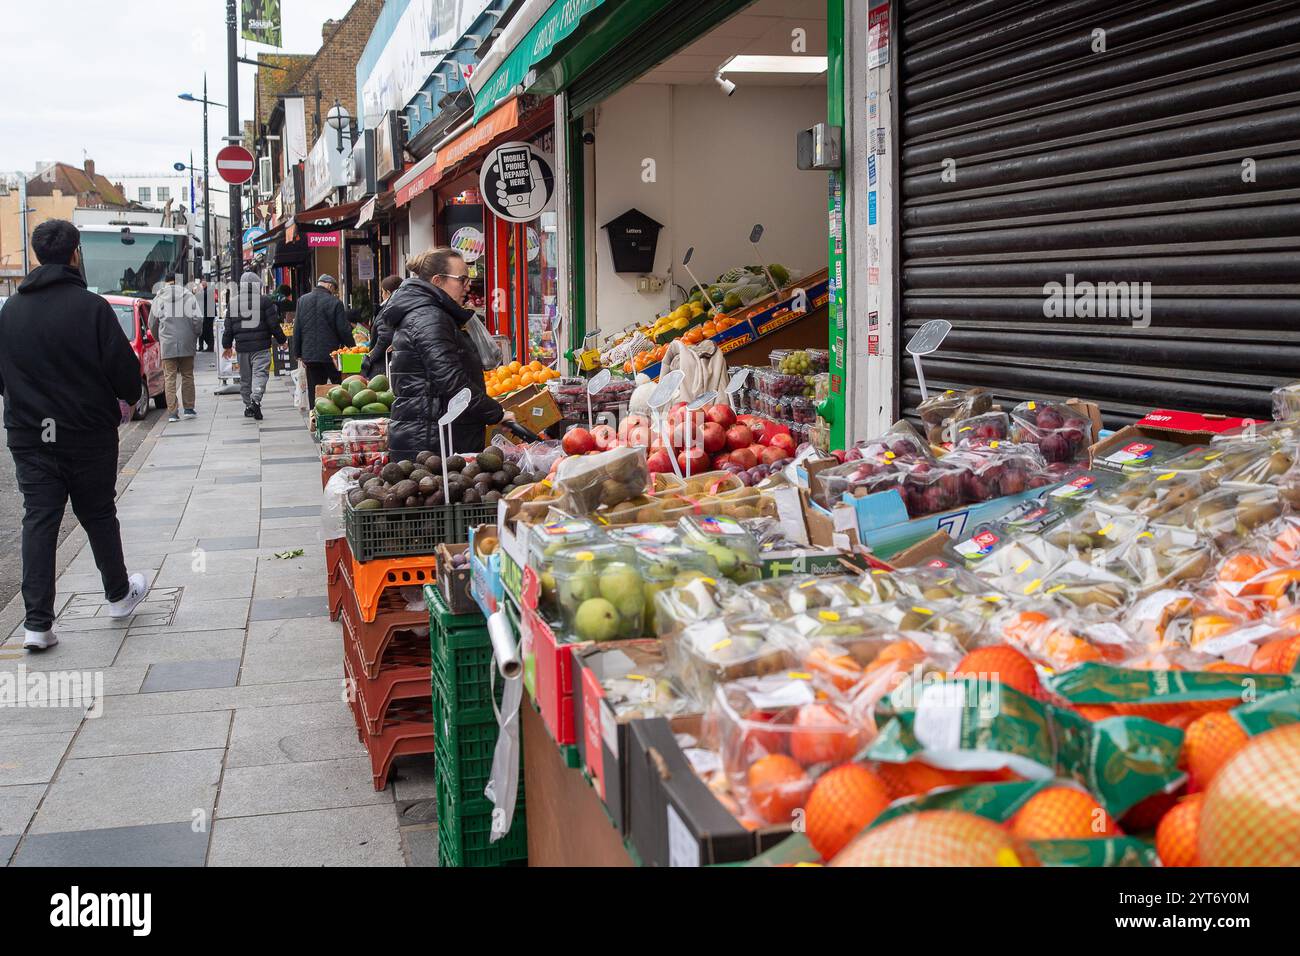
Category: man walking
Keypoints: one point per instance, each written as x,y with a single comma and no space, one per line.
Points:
64,366
248,335
319,328
175,321
208,309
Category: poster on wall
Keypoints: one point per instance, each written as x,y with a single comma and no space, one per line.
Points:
517,181
261,20
878,36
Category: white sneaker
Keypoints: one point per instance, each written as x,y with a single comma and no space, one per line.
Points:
126,607
39,640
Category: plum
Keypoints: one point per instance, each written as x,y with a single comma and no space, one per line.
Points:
1056,447
990,431
1049,419
903,449
1040,481
1012,482
975,488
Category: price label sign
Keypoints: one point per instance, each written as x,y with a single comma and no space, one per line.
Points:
929,337
666,389
456,407
598,382
704,401
739,378
756,233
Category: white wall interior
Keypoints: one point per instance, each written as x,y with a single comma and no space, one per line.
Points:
421,216
721,164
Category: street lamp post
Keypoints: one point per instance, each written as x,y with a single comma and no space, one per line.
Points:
207,207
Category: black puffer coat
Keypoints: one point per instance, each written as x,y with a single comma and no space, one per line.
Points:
433,359
252,334
381,337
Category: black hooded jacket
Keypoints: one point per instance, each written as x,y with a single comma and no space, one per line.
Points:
381,337
433,359
63,360
254,334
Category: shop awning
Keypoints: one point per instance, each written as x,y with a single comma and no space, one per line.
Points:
429,171
261,242
367,211
330,218
547,22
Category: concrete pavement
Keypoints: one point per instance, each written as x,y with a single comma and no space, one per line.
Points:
217,732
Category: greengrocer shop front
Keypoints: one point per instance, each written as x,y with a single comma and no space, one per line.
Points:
676,128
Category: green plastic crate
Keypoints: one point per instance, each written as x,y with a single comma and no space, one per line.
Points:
332,423
397,532
466,684
464,833
471,516
464,752
349,363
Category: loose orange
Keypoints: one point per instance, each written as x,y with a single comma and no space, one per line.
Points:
842,802
1004,664
1176,835
1211,740
1278,590
822,735
1241,568
1062,813
935,838
838,667
777,787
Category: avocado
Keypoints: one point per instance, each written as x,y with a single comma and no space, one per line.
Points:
419,473
404,489
407,467
490,460
428,485
470,471
364,397
433,463
414,501
356,496
423,457
374,408
379,383
455,463
370,504
325,407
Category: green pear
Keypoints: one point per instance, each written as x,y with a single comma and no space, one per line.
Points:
597,620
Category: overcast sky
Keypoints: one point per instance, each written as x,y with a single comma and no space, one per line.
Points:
103,76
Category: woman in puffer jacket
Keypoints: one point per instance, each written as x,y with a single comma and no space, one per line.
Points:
434,358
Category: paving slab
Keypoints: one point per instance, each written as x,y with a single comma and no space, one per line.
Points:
23,721
159,844
413,778
420,846
98,792
296,606
18,806
285,788
148,646
225,698
293,733
207,615
289,632
190,675
310,660
115,736
352,836
31,758
234,543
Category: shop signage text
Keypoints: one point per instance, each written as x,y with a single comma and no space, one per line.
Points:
322,240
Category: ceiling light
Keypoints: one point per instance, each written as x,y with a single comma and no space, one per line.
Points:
747,63
727,86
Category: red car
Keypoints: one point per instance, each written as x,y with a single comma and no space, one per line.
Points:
133,316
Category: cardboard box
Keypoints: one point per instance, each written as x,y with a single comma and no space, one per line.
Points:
535,409
673,819
454,583
549,657
1165,425
603,736
485,585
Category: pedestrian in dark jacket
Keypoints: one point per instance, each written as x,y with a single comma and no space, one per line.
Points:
434,358
248,337
381,336
320,327
64,367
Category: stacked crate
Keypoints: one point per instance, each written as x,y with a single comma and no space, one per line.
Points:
466,692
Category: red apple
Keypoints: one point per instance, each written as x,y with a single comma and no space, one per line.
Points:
605,437
772,454
784,442
721,415
739,436
745,458
578,441
659,462
697,459
715,437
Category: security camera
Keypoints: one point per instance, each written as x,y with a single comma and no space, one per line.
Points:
588,138
727,86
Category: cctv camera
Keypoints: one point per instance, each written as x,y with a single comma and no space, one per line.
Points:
727,86
588,138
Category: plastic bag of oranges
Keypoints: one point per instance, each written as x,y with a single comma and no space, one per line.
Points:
1061,642
776,736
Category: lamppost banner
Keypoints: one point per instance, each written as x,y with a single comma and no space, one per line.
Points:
261,20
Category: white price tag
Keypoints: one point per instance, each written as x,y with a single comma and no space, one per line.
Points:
609,728
794,693
682,848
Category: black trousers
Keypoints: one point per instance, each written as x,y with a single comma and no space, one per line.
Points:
48,477
321,373
205,339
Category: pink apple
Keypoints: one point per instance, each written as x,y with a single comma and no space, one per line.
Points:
745,458
578,441
783,441
739,436
697,460
715,437
659,462
772,454
721,415
605,437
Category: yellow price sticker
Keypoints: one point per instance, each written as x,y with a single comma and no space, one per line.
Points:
829,616
1033,585
993,598
808,584
585,556
725,642
1032,406
923,610
1023,566
634,677
1107,530
1217,454
708,581
799,675
1056,587
1166,476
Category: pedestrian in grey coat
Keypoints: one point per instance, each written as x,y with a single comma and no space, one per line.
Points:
176,321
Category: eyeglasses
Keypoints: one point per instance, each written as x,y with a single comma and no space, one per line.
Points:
460,278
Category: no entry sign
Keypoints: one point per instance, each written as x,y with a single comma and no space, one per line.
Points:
235,165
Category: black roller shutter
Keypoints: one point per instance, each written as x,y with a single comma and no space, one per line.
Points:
1117,166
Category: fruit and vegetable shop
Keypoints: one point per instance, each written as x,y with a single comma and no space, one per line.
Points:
905,465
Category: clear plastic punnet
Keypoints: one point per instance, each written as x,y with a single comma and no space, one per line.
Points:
725,648
599,590
1061,433
664,566
607,479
